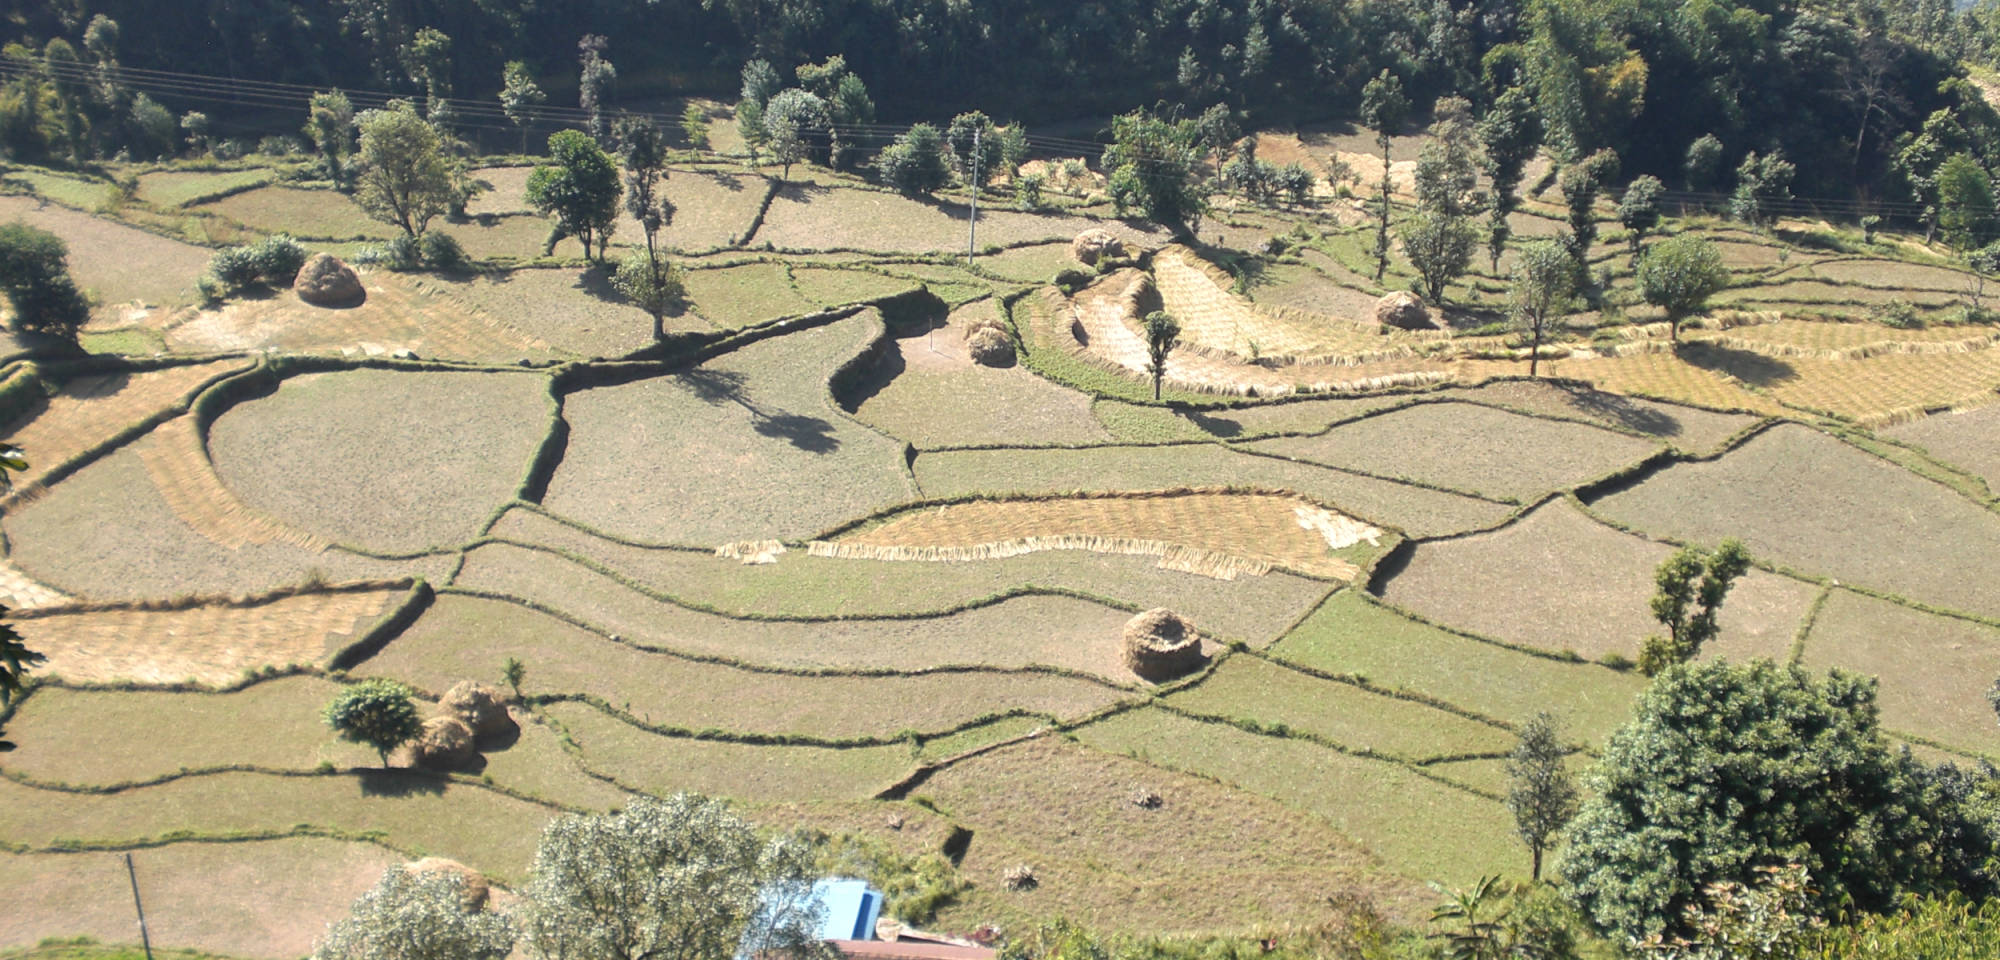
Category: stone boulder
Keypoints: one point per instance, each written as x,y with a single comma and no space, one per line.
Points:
1094,244
1404,310
327,281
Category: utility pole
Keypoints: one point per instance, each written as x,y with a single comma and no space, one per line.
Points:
133,875
972,227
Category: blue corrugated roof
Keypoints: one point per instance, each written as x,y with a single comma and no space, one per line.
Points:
851,909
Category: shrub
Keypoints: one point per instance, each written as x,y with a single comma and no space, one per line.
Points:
236,267
1296,181
1899,313
1616,661
34,275
278,259
441,252
210,290
280,146
1070,280
1028,191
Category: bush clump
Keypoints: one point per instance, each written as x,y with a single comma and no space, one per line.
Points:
441,252
1070,280
274,260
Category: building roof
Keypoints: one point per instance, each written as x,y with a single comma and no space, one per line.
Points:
909,950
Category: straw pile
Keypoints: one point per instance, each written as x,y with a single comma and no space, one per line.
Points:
751,551
1161,645
444,744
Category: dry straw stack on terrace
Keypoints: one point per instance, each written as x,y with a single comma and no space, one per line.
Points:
1161,645
444,744
482,707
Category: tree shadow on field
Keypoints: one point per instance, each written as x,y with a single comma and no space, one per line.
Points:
399,782
1754,369
802,192
727,181
717,387
1622,411
595,280
1216,426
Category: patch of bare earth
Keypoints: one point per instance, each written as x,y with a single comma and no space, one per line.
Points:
210,644
398,315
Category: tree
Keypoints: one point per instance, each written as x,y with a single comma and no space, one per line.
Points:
1543,283
519,96
417,916
652,285
679,877
15,657
197,126
760,83
405,180
1445,174
1439,246
375,712
1639,211
1965,203
1540,792
579,186
1762,183
330,128
1382,108
1725,769
1678,275
694,126
790,119
1580,183
427,60
34,275
1161,332
594,80
1509,134
1703,163
1153,159
1691,587
642,148
965,129
915,163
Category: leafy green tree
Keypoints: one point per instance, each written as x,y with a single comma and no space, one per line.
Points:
1540,792
1509,134
1445,173
519,96
1965,203
23,132
153,130
1691,586
1580,183
694,126
1771,917
66,72
1725,769
1295,181
330,129
642,148
791,120
652,285
1154,159
1383,107
961,135
1762,183
1704,162
197,126
1639,211
404,178
594,79
760,83
1439,246
679,877
750,123
34,275
375,712
417,916
1544,281
427,60
579,187
1253,178
1678,275
915,163
1161,332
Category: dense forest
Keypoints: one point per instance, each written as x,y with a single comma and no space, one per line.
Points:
1843,87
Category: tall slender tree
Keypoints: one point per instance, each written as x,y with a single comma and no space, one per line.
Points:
642,149
1510,133
1540,791
1544,281
594,81
519,96
1382,109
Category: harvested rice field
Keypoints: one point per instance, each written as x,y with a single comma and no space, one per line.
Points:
1468,448
746,447
1557,580
1932,669
1251,532
1781,493
116,262
807,555
447,448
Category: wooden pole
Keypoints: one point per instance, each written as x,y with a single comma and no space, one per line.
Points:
145,939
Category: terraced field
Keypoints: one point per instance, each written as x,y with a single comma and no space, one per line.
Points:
807,554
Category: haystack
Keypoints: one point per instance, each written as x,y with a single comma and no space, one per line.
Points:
990,347
444,744
1095,244
480,706
1161,645
476,889
1404,310
327,281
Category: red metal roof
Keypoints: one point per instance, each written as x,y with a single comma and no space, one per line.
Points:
909,950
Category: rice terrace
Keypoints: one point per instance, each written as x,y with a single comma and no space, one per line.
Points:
873,538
